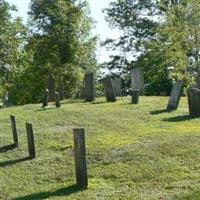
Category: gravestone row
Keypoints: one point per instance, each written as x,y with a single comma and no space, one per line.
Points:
79,150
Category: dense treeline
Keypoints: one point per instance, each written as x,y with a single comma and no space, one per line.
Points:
56,42
164,36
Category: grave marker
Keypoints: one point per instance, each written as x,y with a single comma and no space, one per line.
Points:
109,90
89,87
80,158
175,96
14,130
117,84
194,102
30,140
137,80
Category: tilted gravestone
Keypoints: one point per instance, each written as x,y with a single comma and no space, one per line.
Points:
109,90
89,89
194,102
45,98
175,96
137,80
51,87
117,84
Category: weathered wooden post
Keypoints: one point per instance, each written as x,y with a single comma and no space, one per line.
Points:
80,158
45,98
14,130
30,139
57,100
135,96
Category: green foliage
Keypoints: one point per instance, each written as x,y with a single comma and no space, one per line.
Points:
12,34
61,40
133,151
161,35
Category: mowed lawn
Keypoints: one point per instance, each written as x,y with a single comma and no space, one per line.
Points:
137,152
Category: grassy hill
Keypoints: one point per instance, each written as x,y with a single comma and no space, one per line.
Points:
137,152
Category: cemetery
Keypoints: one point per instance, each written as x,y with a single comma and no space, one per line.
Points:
73,128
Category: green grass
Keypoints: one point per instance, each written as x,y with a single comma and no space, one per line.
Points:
137,152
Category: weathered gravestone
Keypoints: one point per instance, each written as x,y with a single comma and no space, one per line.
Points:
109,90
80,158
45,98
117,84
30,140
175,96
89,88
14,130
51,87
137,80
57,100
61,90
135,96
194,102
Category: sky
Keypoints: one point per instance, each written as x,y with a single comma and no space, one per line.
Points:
101,27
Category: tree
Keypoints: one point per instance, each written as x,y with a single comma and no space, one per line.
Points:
61,41
161,34
12,34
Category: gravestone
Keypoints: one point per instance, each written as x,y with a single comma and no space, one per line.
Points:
117,84
135,96
89,87
175,96
45,98
14,130
62,90
51,87
137,80
194,102
109,90
30,140
80,158
57,100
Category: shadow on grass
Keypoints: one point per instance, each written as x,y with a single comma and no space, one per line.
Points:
13,162
7,148
157,112
191,196
45,195
178,118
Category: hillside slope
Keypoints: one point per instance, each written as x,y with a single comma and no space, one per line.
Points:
137,152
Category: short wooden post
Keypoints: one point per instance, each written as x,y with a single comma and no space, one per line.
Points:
80,158
30,139
135,96
14,130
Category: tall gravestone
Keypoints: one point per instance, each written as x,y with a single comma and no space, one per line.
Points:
117,84
45,98
175,96
137,80
62,90
109,90
194,102
51,87
89,89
